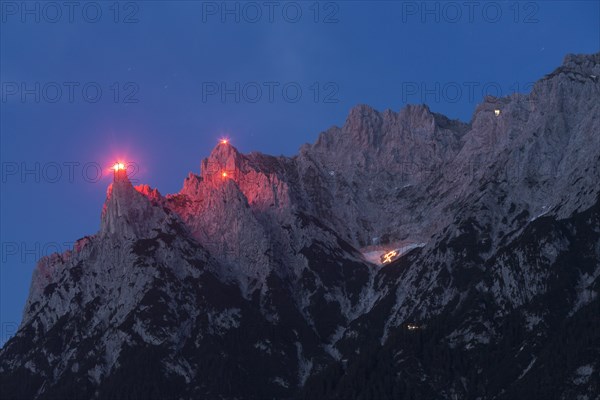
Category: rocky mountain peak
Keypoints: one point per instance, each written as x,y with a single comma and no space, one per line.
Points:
225,161
151,193
129,210
585,63
263,277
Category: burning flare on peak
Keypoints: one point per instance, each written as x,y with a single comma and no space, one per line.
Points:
120,171
224,140
119,166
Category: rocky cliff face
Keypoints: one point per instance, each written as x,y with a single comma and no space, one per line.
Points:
253,280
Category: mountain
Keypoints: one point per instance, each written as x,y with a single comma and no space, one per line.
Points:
260,280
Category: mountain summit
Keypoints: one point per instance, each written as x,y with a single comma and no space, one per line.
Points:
263,277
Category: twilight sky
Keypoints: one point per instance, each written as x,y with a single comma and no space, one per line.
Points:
157,83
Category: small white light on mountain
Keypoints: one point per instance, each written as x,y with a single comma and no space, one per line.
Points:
496,112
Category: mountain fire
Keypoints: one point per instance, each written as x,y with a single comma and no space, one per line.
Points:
120,171
389,256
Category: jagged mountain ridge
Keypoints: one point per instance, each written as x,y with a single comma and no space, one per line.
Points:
252,285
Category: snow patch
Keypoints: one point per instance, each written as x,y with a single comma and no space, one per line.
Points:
526,370
304,366
332,351
585,294
30,366
220,322
532,320
583,374
330,347
95,373
281,382
181,368
545,210
141,329
469,338
263,346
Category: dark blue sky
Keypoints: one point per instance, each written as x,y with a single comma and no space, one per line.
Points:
173,77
